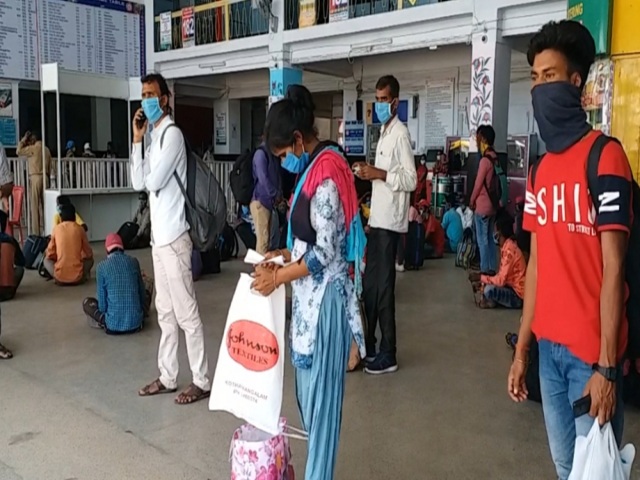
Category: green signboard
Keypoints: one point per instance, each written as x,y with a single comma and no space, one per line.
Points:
596,16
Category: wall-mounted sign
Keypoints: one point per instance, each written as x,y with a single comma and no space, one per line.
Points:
8,132
596,16
307,16
165,31
188,27
354,137
221,128
6,100
338,10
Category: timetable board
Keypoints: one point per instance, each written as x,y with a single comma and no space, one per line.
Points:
100,37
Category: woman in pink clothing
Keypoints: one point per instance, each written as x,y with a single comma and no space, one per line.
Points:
485,210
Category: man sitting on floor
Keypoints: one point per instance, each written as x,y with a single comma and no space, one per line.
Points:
452,225
124,294
11,262
137,234
506,288
69,257
64,200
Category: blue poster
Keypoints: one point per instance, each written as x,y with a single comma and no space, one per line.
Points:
8,132
354,137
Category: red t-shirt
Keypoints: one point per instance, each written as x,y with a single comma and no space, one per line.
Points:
561,213
435,235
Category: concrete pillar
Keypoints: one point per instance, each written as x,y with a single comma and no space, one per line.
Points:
101,123
349,99
490,85
281,75
227,136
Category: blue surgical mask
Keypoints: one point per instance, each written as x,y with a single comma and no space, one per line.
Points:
496,238
383,112
295,164
152,110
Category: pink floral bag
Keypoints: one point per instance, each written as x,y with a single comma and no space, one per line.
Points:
257,455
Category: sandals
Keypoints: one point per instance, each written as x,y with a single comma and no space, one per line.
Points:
155,388
5,353
191,395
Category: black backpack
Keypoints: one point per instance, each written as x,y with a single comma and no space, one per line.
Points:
632,260
498,189
206,206
228,244
241,177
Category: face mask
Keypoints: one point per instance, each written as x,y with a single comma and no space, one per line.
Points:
295,164
152,110
496,238
383,112
557,108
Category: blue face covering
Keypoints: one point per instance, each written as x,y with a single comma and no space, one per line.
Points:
294,164
383,112
557,108
152,110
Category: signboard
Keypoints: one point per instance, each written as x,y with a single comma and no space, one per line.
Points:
307,16
596,16
354,137
188,27
338,10
101,37
8,132
6,100
221,128
165,31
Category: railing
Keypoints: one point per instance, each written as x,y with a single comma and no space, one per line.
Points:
222,170
95,174
306,13
218,21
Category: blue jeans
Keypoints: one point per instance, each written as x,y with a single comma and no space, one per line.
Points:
563,378
485,226
503,296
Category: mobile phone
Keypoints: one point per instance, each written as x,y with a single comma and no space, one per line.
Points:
582,406
140,121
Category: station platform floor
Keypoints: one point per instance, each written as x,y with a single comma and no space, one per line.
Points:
69,408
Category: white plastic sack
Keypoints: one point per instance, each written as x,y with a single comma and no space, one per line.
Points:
597,457
249,375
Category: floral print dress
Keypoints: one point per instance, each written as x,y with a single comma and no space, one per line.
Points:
326,261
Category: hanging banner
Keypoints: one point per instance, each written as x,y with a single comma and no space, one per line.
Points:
307,16
596,16
165,31
338,10
597,97
188,27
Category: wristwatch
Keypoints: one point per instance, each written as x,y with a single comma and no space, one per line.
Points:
610,373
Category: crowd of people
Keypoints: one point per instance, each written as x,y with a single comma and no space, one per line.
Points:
342,270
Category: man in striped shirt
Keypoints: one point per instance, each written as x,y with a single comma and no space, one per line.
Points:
123,295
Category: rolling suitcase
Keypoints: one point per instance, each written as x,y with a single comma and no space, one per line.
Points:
414,247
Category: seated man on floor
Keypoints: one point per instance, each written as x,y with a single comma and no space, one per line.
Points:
124,294
435,236
137,234
452,225
11,262
69,257
506,288
64,200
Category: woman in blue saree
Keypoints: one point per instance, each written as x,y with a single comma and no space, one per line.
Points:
325,237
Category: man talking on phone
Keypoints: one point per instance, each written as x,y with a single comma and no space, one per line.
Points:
171,245
393,179
575,291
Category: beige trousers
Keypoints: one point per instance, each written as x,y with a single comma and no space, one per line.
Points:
262,223
178,309
36,187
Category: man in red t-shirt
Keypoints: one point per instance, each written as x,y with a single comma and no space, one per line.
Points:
575,293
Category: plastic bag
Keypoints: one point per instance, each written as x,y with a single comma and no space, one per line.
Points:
249,375
597,457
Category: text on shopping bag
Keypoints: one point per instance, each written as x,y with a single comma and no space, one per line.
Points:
252,345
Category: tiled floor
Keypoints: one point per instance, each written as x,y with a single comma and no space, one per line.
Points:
69,408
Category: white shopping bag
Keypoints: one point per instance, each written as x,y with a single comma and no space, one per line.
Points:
597,457
249,375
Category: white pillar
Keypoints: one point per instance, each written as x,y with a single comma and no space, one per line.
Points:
101,124
349,100
227,138
490,85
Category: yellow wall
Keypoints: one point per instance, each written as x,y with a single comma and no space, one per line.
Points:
625,122
624,36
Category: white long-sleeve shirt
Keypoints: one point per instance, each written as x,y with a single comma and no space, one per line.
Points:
390,199
155,174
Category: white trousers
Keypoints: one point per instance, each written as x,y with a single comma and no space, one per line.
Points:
178,308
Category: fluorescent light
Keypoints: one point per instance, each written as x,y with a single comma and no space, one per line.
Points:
213,65
373,43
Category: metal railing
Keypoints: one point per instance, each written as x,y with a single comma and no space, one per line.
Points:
222,170
307,13
95,174
218,21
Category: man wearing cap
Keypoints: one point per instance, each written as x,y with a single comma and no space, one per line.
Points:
123,294
88,153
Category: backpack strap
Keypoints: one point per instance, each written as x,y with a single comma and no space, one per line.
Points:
175,172
593,162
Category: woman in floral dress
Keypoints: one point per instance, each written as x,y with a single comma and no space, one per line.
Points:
325,237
